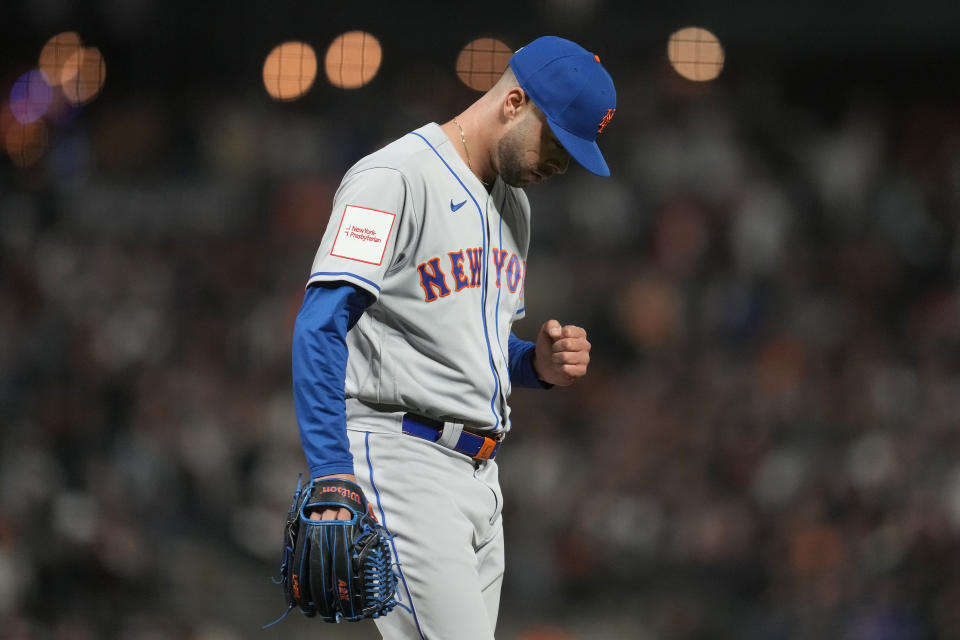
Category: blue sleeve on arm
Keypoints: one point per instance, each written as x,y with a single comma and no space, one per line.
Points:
522,373
319,371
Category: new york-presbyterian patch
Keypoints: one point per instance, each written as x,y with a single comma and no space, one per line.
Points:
363,234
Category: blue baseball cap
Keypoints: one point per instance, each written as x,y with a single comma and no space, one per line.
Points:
573,90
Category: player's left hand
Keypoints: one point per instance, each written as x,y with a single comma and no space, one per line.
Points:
562,353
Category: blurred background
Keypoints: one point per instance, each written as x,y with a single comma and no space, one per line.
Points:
767,445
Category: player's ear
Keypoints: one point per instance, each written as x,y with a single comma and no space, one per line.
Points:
514,103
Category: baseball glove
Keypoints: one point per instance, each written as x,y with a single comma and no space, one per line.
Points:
336,569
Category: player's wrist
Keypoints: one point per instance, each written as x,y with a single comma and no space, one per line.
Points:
337,476
536,372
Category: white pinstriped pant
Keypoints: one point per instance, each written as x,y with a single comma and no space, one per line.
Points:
445,514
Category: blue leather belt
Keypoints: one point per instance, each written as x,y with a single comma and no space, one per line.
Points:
478,447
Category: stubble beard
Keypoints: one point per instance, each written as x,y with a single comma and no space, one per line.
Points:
509,156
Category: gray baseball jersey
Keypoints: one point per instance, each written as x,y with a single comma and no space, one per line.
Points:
446,263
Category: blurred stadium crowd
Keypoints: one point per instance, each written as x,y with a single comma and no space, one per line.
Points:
766,445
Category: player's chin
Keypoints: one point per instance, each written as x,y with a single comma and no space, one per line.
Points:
524,177
534,177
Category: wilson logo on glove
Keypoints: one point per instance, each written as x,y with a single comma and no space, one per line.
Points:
341,491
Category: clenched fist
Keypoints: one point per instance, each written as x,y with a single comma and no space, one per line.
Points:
562,353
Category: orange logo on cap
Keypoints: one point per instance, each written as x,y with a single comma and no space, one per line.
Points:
606,120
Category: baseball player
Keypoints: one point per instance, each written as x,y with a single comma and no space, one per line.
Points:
403,356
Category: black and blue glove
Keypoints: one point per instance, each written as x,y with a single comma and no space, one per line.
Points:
336,569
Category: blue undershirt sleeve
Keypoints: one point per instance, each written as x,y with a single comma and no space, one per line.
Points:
319,371
522,374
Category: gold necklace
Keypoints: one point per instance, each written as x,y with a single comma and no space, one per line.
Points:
463,140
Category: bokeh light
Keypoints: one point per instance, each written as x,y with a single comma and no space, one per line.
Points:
25,143
353,59
83,75
30,97
289,70
60,110
481,62
695,54
55,53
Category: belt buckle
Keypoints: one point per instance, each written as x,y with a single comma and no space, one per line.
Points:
487,449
